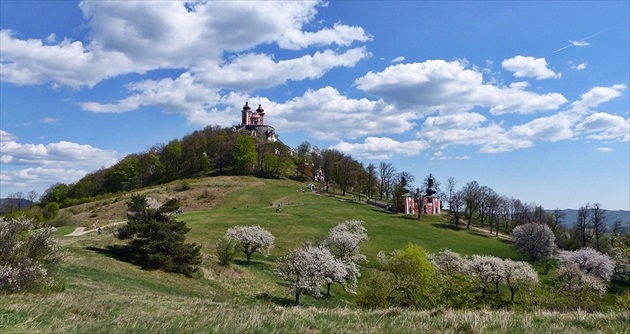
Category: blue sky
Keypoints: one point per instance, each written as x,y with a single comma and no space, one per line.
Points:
527,98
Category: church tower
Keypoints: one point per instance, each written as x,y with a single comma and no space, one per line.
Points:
245,114
260,112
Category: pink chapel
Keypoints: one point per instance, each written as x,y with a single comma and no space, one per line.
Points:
252,118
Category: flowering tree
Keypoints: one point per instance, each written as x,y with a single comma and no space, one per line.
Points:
27,255
487,269
580,290
344,240
518,274
343,243
535,240
449,262
252,239
590,261
307,268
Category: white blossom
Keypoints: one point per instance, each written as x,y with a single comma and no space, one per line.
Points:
535,240
153,203
518,274
252,239
25,254
449,262
344,240
487,269
590,261
308,268
575,281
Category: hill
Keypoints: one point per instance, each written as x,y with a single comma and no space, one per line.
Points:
612,216
13,204
104,293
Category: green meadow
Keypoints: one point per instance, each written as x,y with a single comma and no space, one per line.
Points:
101,293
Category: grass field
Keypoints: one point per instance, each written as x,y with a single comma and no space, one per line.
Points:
105,295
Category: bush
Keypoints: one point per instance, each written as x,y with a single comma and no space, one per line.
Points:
623,300
411,282
456,292
28,255
374,291
226,249
185,185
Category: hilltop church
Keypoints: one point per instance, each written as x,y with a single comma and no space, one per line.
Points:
254,122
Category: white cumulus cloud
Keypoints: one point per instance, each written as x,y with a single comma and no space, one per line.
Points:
530,67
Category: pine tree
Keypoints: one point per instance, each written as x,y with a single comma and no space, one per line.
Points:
157,238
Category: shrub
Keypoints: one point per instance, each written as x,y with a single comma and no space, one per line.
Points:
413,278
185,185
226,249
623,300
457,292
28,255
374,291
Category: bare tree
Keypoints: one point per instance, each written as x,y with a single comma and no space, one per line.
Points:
10,203
19,196
371,180
598,221
615,233
386,171
457,207
450,190
494,207
583,225
32,196
558,218
472,198
485,194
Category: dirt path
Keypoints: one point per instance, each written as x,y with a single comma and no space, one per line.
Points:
79,231
501,235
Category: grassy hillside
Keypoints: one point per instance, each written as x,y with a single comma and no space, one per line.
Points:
104,294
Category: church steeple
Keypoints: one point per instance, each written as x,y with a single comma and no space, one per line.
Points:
245,114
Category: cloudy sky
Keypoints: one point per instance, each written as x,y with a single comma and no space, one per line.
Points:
528,98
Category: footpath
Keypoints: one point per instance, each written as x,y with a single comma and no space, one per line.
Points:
79,231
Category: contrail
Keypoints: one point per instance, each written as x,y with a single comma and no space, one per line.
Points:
583,40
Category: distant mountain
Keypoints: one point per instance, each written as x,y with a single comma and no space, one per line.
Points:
12,204
612,216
